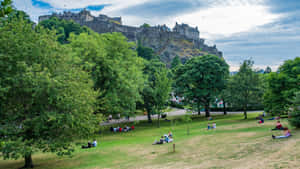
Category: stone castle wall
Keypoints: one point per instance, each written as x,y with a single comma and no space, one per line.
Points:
159,37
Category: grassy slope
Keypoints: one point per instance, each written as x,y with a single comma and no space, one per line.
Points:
236,143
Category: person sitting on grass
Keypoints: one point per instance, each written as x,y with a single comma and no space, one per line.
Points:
88,146
287,133
161,141
166,138
278,126
170,134
125,129
208,126
94,144
214,125
261,120
132,127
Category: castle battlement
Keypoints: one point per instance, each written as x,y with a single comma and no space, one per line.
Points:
159,38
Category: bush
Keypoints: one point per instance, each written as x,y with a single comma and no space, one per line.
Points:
177,105
295,115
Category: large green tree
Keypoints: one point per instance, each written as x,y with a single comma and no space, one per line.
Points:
295,115
201,79
245,87
116,69
282,86
5,7
46,101
63,28
156,88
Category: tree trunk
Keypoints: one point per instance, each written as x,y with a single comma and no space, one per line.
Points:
158,121
198,108
28,161
245,112
224,107
149,116
207,110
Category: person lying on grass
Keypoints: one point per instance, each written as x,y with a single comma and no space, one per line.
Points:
287,133
90,145
278,126
161,141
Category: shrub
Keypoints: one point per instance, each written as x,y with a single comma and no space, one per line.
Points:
295,115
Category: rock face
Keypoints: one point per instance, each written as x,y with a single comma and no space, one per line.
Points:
182,40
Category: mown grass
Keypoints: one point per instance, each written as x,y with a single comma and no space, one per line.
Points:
236,143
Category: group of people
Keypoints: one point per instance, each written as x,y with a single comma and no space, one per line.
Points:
286,131
167,138
211,126
120,129
90,144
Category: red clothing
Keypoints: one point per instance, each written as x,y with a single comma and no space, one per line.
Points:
132,127
120,129
279,126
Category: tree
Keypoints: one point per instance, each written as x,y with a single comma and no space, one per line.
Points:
295,115
156,89
64,28
46,100
176,62
145,25
281,86
268,70
5,7
116,70
201,79
146,53
161,89
245,86
225,94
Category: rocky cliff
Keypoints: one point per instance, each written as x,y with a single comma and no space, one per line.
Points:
182,40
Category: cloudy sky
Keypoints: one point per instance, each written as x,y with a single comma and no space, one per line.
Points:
267,31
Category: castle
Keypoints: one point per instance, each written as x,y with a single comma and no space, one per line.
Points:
183,40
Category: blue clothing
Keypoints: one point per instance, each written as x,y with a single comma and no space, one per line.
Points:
95,144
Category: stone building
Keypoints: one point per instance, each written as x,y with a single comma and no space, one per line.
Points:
183,41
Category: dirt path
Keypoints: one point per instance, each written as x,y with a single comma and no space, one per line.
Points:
176,112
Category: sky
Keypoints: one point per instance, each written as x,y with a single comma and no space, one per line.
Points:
266,31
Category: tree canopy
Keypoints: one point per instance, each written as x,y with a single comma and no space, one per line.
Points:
116,69
157,87
282,86
63,28
201,79
245,86
5,7
46,100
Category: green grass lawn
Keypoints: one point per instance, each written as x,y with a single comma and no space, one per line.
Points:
236,143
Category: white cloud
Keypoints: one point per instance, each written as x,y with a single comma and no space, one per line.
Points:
32,11
229,19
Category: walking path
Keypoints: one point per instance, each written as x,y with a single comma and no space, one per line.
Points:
176,112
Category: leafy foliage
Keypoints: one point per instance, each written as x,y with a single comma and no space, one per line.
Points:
5,7
63,28
281,86
115,68
46,100
146,53
295,115
245,87
176,62
201,79
157,87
